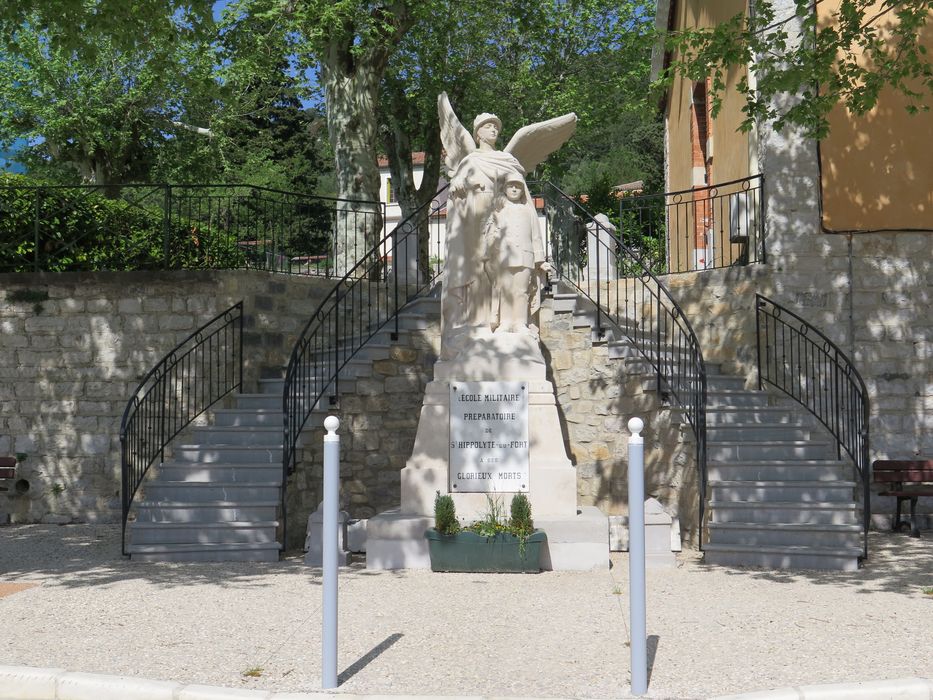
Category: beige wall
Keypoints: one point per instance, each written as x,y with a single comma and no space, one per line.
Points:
877,169
730,159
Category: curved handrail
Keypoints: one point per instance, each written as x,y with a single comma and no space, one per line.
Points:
799,360
189,379
629,295
362,303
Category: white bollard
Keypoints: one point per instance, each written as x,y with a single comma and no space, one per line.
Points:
636,557
329,550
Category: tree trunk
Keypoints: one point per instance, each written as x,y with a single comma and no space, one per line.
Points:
351,73
351,124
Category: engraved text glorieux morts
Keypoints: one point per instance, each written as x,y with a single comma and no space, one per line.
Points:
488,437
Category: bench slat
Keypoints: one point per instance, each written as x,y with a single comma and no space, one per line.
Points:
901,464
915,476
7,461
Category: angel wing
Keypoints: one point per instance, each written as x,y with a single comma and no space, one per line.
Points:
455,138
533,143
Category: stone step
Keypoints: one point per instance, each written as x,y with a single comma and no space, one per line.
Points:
740,399
244,492
243,436
755,432
738,451
267,472
227,454
271,402
793,491
204,552
760,415
248,417
780,470
215,512
784,534
563,302
258,532
778,557
417,321
354,369
769,512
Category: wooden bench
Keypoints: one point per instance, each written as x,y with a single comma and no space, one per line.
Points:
7,467
905,479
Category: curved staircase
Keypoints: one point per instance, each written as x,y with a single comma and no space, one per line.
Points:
218,496
780,496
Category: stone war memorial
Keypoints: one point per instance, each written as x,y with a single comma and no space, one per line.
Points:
489,425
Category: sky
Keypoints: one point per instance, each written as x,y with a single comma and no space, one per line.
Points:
6,163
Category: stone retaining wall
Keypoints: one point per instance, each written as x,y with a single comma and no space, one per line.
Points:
596,397
69,363
378,423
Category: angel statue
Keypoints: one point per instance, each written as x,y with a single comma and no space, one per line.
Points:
478,175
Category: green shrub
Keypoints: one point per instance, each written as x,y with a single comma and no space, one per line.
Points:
521,521
445,515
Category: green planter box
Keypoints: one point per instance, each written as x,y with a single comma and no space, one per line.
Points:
469,552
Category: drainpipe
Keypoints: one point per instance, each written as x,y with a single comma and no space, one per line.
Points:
851,297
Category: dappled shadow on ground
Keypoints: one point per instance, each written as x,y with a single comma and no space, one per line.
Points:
89,555
896,564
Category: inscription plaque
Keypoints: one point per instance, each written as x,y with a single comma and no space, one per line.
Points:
488,437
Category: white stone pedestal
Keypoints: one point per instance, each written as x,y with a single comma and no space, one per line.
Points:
577,539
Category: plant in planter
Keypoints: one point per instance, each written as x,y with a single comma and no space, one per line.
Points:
492,544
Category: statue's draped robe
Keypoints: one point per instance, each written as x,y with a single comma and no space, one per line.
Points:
479,178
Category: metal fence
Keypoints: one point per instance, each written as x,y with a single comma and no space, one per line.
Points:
140,227
697,229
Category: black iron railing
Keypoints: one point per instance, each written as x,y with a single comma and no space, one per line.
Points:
199,371
404,265
630,299
697,229
139,227
796,358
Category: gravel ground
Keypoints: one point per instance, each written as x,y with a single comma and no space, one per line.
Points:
711,630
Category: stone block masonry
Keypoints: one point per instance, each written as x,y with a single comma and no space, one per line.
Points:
68,365
596,396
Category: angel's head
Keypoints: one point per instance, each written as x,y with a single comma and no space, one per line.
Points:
486,128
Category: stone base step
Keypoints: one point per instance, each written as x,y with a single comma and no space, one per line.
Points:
204,552
778,557
396,541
